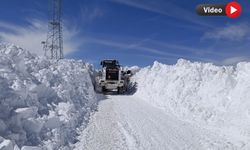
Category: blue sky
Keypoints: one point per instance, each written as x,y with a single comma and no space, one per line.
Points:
136,32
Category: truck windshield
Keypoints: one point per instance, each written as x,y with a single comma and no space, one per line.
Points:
110,64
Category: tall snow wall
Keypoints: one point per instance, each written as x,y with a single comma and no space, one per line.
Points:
42,102
201,93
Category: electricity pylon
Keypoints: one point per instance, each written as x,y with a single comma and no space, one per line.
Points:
53,46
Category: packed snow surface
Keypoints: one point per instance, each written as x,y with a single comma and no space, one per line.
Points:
129,123
42,102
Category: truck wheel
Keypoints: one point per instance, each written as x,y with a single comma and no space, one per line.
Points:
104,89
118,90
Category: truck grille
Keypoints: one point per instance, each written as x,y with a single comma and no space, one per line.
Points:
112,74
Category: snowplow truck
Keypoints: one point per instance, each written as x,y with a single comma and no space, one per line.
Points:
111,77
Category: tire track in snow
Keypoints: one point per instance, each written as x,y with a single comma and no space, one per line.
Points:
106,135
132,142
128,123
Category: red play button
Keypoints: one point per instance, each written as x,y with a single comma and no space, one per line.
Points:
233,10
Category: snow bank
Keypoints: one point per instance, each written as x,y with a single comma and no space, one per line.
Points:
200,92
42,102
133,69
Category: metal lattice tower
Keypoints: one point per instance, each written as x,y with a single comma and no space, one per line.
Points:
53,46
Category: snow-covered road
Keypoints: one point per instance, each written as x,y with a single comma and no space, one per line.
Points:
127,122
